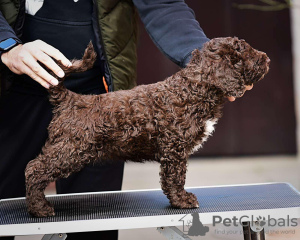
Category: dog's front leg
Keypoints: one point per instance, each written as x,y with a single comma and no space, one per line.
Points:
172,178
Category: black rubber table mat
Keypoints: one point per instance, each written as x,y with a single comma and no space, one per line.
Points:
153,203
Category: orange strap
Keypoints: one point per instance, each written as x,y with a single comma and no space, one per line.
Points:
105,85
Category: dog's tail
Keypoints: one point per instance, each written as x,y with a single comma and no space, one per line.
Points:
58,93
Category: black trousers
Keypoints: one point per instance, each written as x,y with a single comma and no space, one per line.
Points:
24,118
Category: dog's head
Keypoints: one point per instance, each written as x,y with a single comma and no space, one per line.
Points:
230,64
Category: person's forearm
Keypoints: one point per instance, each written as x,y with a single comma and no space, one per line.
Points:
6,31
173,28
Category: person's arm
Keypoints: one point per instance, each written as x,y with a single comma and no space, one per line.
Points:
6,31
173,28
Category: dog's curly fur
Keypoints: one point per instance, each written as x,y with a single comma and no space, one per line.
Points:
161,122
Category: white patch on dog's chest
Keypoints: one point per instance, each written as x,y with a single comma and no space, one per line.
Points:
208,130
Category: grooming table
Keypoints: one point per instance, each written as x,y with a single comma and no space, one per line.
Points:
148,209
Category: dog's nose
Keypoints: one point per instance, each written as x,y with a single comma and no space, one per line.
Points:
266,58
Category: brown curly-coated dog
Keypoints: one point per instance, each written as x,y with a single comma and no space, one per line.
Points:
164,122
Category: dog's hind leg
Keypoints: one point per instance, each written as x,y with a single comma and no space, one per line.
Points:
173,167
36,178
55,161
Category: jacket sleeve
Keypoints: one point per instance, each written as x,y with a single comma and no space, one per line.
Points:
6,31
172,26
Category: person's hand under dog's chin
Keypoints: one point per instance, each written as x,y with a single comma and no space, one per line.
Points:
248,87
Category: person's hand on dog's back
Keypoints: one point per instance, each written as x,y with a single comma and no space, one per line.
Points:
23,58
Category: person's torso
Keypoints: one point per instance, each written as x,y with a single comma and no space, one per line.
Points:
118,47
67,26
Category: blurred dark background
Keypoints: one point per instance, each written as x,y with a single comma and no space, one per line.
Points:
263,121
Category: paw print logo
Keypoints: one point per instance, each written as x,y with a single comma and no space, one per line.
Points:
261,221
259,224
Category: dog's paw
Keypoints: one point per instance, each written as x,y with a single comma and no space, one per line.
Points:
46,210
186,200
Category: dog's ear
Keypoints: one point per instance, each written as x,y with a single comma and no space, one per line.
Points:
227,79
222,64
